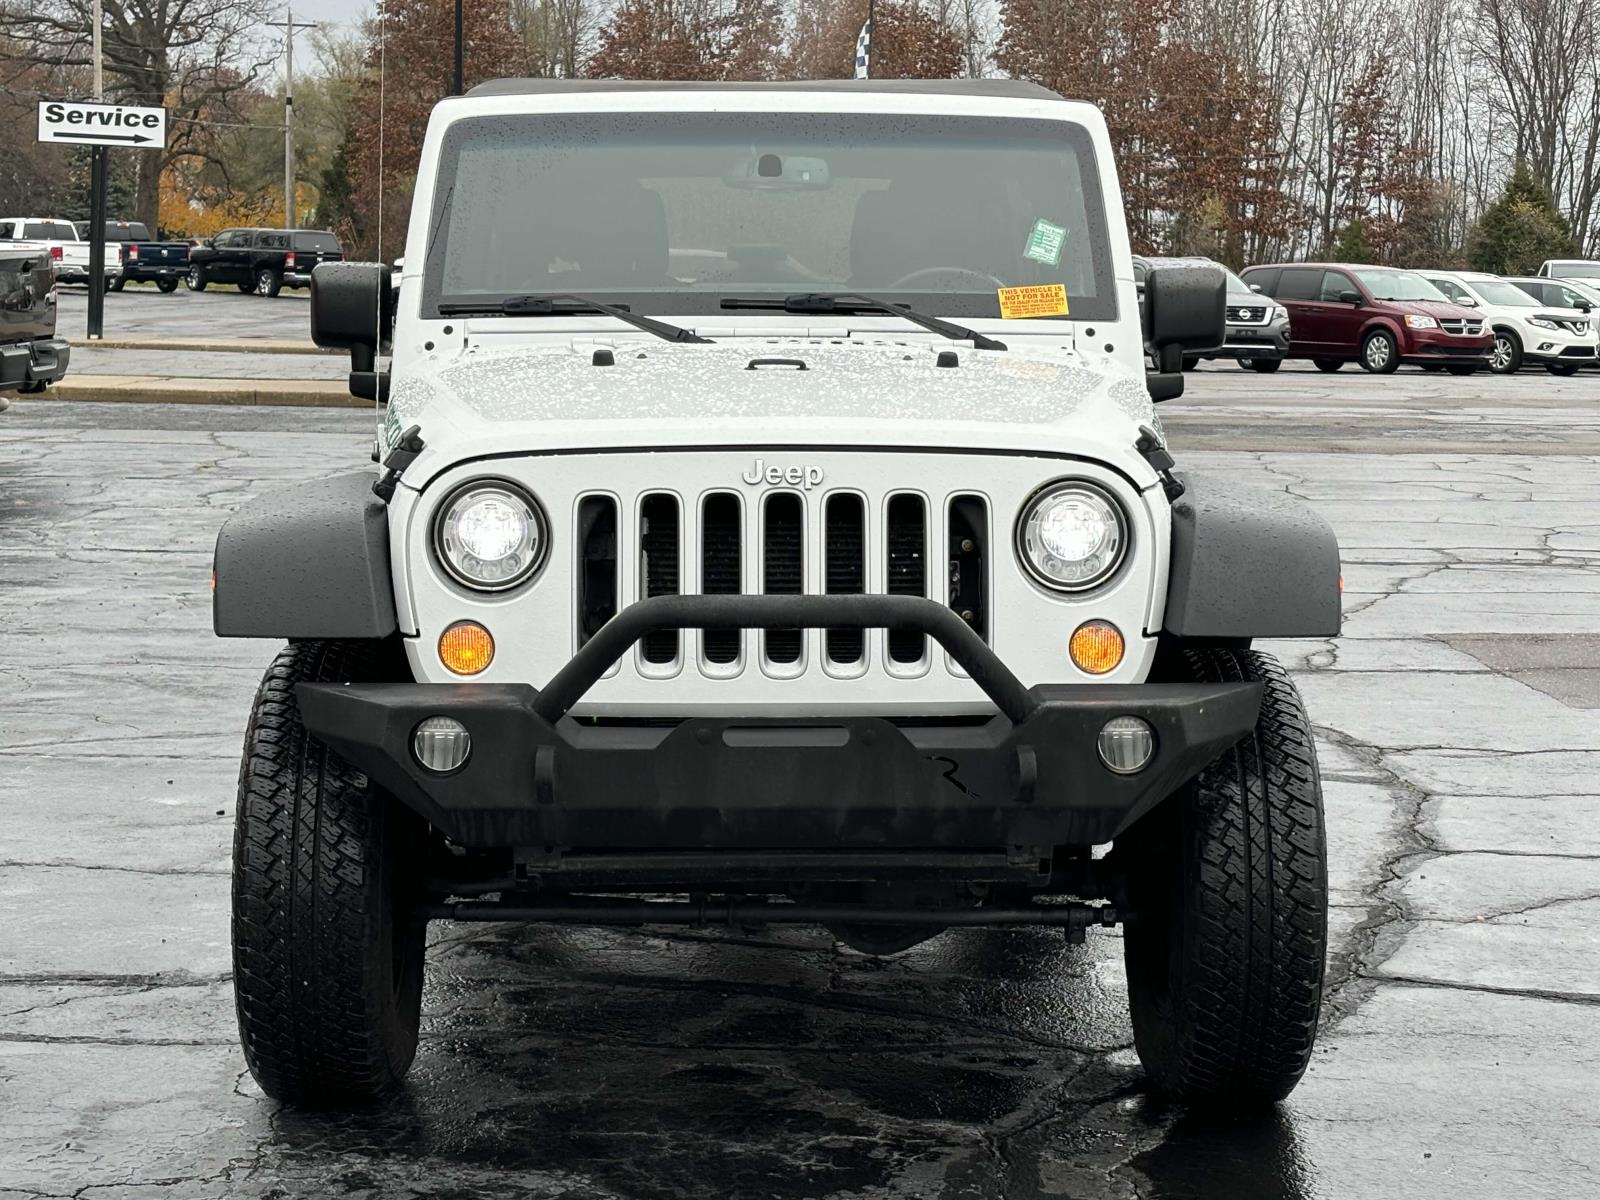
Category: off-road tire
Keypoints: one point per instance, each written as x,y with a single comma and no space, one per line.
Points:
1264,366
166,286
1228,884
327,954
1380,353
1328,364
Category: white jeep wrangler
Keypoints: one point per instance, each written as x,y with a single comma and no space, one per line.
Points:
774,526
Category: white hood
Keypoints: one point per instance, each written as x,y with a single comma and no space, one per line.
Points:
857,392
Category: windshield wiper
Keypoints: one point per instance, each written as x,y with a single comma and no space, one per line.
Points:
561,304
854,302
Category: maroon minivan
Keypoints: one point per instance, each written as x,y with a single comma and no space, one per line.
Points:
1379,317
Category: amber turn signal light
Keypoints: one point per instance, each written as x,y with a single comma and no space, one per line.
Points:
1096,647
466,648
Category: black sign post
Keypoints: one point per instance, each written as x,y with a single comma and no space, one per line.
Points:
97,243
79,123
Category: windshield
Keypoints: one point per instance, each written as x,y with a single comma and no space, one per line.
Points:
671,212
1575,270
1507,295
1398,285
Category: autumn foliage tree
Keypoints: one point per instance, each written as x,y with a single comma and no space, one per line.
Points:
690,39
909,41
409,71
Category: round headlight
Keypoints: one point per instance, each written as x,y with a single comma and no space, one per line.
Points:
490,536
1072,536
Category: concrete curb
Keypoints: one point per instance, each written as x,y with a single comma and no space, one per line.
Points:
134,389
205,345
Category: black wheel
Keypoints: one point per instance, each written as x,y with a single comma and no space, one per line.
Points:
1432,368
247,287
1379,353
1562,369
1462,368
1328,364
1190,363
327,951
115,285
1265,366
1506,356
268,283
195,280
1229,887
167,286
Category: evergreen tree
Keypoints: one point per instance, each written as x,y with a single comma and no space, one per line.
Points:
1520,230
1352,245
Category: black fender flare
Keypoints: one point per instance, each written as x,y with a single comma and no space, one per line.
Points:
1249,563
310,561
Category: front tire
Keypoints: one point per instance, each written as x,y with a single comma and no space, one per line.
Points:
1506,356
195,280
1264,366
1229,887
327,950
1380,353
1328,364
1462,368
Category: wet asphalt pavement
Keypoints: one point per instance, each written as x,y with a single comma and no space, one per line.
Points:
1459,721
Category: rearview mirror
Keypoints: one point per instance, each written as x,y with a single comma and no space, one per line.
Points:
352,308
1185,312
779,173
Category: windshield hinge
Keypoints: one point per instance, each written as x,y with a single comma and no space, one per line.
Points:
1161,461
402,456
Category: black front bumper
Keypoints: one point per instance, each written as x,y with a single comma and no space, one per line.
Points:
1027,781
34,363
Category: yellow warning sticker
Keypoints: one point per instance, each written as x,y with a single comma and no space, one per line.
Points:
1041,300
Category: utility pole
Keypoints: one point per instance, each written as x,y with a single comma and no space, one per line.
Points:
459,84
288,25
96,325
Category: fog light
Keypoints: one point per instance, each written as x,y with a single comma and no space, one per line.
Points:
466,648
1096,647
441,744
1126,745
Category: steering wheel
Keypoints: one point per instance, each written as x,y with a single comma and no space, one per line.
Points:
964,272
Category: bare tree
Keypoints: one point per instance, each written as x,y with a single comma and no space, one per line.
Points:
193,56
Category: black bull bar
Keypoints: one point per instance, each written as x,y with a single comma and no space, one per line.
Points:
1030,778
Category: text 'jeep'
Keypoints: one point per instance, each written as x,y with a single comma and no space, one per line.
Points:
774,526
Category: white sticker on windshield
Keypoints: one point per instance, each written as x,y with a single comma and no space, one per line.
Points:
1045,242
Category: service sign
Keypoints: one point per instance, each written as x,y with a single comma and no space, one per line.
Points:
79,124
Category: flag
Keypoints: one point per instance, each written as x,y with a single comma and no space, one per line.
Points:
864,51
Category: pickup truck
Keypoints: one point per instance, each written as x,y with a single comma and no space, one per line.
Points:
59,239
263,261
31,355
144,258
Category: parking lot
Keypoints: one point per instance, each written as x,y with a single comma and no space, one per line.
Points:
1460,744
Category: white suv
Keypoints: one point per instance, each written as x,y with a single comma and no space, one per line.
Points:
774,526
1525,330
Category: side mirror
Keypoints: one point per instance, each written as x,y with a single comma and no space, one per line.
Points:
1256,288
1467,302
1185,312
1350,298
352,308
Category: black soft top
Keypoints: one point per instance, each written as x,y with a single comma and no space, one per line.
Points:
1012,89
